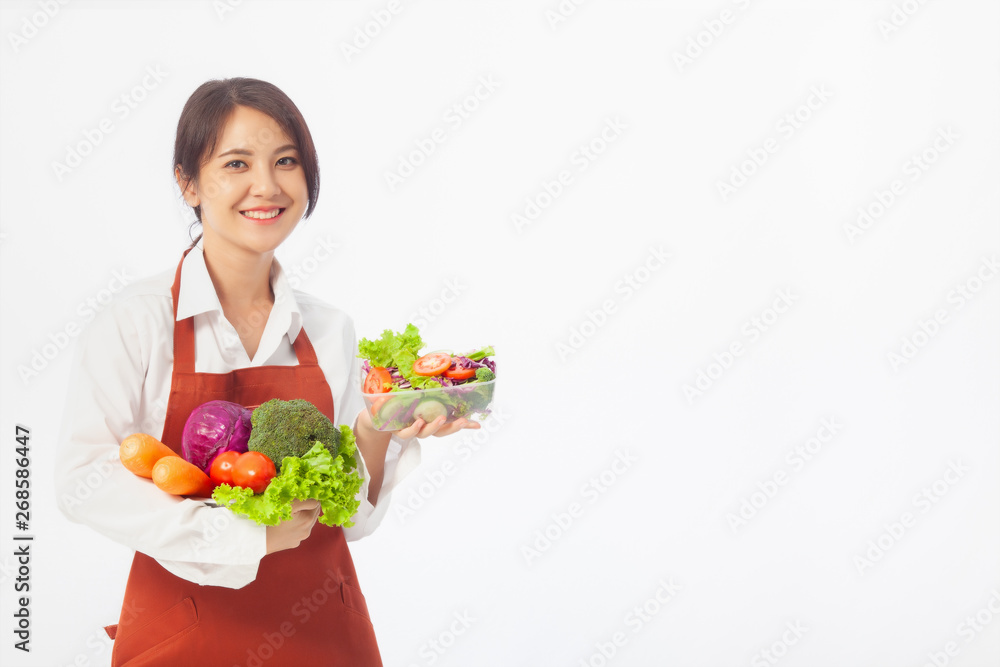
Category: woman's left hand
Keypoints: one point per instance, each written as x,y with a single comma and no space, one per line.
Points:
422,429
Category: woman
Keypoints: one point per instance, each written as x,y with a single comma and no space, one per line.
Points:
207,587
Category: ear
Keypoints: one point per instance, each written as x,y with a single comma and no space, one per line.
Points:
189,189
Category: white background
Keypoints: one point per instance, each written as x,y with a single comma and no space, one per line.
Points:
564,417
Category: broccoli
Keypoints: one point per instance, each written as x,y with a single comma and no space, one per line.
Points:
482,395
289,428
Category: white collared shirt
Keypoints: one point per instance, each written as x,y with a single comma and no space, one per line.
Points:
120,384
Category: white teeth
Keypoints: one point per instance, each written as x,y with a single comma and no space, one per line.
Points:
262,215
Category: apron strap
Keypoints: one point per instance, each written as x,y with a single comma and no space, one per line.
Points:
304,351
183,330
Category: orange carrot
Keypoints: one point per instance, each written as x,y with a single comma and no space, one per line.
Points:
139,453
175,475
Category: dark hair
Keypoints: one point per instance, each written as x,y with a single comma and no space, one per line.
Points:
210,106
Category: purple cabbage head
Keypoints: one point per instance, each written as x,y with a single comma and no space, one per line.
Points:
213,428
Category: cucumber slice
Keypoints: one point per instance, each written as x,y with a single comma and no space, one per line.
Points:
390,407
390,412
430,409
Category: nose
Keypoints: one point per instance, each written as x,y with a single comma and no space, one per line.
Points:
265,182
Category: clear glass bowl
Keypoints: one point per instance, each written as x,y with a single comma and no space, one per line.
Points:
395,410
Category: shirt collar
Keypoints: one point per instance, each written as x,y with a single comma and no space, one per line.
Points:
197,293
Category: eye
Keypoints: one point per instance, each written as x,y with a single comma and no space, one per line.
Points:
287,161
236,164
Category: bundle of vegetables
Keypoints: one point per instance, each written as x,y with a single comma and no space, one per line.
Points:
147,457
432,385
316,460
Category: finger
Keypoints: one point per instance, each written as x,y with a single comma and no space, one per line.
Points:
448,429
411,430
310,505
306,520
433,427
458,425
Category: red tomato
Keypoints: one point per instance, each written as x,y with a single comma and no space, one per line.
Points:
221,471
379,380
434,363
460,373
253,470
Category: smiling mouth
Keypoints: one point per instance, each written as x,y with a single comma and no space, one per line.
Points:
262,215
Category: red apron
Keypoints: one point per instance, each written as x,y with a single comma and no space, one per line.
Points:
304,608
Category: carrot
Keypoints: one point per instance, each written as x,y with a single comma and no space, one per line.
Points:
175,475
139,453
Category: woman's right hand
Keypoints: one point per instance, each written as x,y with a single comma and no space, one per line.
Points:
288,534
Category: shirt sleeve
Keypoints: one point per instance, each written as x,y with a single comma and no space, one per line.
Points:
192,540
402,457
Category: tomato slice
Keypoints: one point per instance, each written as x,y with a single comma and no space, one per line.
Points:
434,363
379,380
460,373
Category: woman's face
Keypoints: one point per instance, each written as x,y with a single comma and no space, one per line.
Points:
252,190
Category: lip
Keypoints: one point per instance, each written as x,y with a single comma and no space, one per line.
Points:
268,221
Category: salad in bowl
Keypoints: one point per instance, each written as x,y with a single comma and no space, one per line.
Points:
400,385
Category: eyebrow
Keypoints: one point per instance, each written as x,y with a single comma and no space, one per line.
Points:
244,151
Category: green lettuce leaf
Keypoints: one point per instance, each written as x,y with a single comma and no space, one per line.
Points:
316,475
481,354
392,347
398,350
